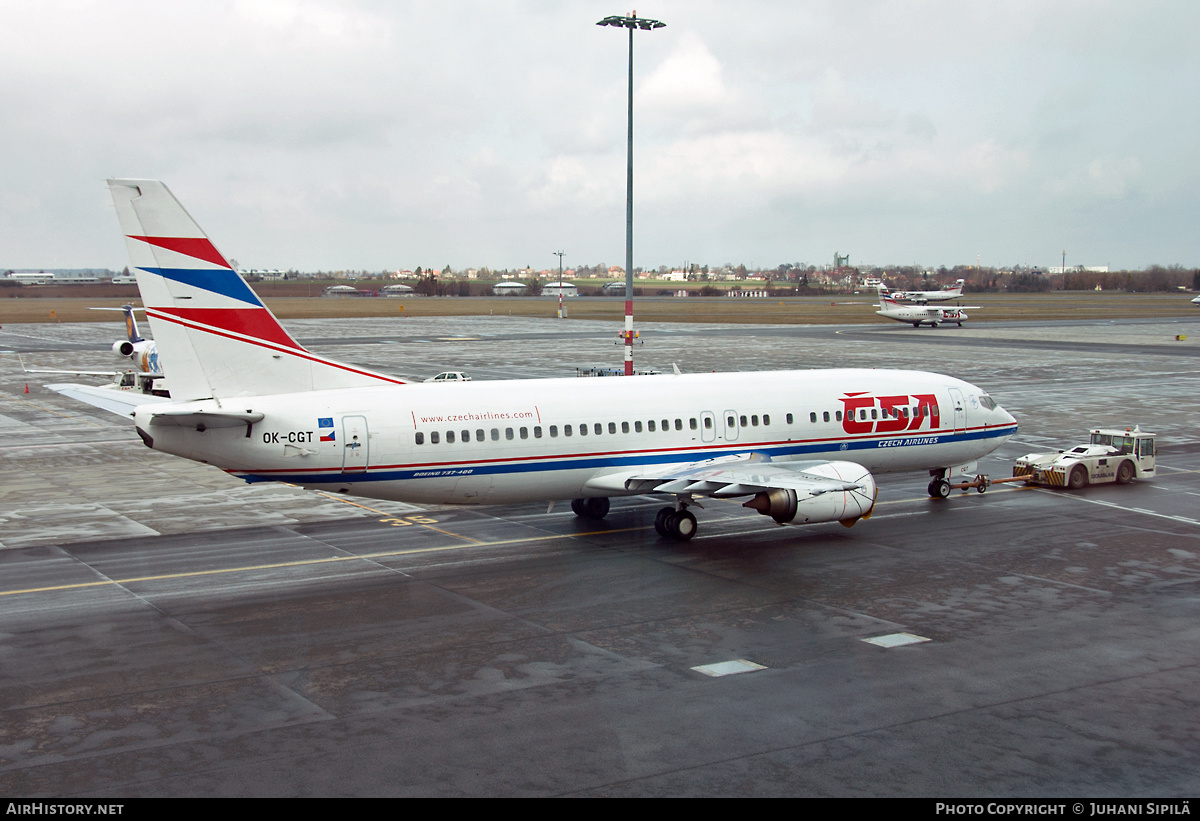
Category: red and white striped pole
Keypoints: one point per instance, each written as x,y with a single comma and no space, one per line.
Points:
631,22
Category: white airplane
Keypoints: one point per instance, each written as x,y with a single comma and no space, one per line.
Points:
919,315
922,297
246,397
141,351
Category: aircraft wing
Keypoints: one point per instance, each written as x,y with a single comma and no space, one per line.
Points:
109,399
109,374
740,475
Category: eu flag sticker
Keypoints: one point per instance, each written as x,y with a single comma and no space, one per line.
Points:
325,422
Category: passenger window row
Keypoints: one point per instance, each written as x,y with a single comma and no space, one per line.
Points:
654,425
876,413
583,429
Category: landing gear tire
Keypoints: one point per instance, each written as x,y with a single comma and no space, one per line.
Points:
939,488
1078,477
593,508
681,526
917,325
1125,473
660,521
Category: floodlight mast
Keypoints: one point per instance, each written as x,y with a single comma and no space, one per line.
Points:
559,254
631,22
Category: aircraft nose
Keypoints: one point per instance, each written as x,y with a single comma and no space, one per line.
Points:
1007,417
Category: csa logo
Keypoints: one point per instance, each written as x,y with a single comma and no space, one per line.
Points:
862,412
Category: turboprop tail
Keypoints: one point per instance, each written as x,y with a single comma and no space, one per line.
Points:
213,332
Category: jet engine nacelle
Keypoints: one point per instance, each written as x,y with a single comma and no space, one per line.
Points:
123,347
845,506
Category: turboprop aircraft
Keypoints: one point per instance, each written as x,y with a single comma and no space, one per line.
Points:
802,446
922,297
919,315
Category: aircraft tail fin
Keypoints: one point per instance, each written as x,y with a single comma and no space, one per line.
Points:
213,332
131,328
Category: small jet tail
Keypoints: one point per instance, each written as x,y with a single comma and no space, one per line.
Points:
218,339
131,328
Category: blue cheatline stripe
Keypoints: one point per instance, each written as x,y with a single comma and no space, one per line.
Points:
223,281
829,450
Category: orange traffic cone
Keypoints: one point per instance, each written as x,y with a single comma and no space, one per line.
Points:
26,387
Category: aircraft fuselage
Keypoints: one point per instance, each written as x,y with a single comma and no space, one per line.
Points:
531,440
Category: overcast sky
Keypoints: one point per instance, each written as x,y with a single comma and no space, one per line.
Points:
327,135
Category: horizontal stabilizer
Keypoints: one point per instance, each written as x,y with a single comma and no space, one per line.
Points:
109,399
202,420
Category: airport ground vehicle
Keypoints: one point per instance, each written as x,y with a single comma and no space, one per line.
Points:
450,376
1112,455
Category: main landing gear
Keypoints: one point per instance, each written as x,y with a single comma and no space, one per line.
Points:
676,523
594,508
679,525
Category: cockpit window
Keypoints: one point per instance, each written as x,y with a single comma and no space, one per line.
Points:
987,401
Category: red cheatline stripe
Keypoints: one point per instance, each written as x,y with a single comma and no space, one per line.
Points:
197,247
254,322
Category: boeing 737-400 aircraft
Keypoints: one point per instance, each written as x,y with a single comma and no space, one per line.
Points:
801,446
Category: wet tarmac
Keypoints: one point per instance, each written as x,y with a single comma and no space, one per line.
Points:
166,630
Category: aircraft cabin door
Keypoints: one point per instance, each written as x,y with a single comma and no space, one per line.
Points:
731,425
960,409
355,447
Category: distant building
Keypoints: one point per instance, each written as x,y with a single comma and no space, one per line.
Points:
568,289
1077,269
510,288
33,278
265,274
341,290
